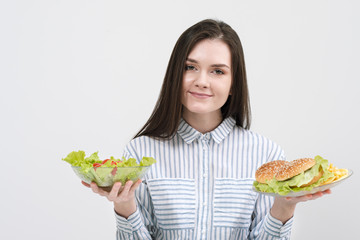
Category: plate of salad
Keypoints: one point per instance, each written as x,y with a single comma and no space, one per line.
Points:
108,171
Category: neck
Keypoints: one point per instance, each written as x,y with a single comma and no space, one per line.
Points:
203,122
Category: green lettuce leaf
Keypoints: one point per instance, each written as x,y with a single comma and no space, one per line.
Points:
93,158
75,158
147,161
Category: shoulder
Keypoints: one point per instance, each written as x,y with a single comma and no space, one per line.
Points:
141,144
259,142
146,140
138,142
247,134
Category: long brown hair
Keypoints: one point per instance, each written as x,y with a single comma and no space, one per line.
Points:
165,118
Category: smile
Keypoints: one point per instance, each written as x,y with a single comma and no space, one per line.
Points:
200,95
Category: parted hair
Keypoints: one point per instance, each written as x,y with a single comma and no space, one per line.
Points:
166,116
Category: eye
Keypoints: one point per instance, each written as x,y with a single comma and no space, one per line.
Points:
218,71
189,67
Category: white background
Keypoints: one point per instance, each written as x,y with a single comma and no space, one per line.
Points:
86,74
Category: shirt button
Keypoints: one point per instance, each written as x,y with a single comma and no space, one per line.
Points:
204,175
204,204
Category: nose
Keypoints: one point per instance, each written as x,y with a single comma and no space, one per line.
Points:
202,81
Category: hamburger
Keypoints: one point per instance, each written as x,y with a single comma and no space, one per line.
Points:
282,177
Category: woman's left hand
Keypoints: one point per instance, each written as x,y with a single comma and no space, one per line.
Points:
284,207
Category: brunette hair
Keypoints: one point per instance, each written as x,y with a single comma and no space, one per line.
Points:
165,118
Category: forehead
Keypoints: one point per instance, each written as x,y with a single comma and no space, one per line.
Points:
211,50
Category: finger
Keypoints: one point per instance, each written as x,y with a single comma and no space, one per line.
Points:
306,197
135,186
317,195
126,189
309,196
114,191
327,191
94,187
300,198
98,190
85,184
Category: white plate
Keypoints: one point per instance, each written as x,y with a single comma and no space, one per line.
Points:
314,190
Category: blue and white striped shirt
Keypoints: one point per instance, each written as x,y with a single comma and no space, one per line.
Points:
201,187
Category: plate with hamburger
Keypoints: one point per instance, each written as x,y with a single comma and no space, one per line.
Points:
298,177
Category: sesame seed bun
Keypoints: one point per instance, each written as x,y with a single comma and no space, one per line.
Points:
268,170
294,168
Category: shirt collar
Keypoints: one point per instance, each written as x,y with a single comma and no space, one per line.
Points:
189,134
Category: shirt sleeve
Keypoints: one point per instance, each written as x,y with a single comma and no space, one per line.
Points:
140,224
264,226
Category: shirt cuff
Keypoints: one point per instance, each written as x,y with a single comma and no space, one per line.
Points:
276,228
129,225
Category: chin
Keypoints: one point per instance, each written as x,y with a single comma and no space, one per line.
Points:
200,110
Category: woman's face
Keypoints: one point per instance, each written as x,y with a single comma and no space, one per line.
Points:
207,78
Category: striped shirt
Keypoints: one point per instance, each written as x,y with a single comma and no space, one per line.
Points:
201,187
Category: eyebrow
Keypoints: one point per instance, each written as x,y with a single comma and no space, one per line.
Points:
213,65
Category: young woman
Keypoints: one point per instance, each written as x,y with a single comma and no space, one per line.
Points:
201,185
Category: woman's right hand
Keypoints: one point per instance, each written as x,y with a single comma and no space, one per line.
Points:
122,197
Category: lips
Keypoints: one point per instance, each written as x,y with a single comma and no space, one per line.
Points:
200,95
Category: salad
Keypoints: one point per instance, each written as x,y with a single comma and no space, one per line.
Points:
106,172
